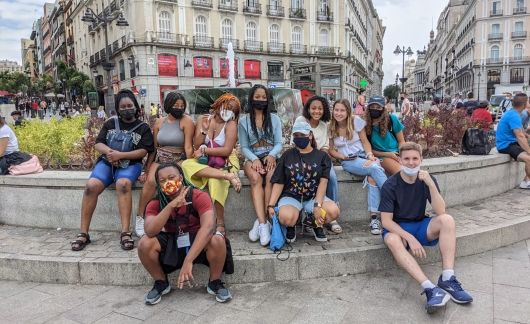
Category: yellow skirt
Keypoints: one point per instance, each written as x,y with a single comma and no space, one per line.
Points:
217,188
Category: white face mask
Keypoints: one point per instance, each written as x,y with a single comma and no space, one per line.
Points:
411,172
226,114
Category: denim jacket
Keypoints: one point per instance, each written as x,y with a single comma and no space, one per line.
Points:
247,137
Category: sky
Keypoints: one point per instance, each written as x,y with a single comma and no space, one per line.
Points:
408,23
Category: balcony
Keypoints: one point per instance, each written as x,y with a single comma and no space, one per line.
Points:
519,34
324,16
275,11
253,46
223,43
520,59
274,76
325,51
297,13
202,4
70,40
276,47
519,10
298,49
495,13
171,38
494,36
227,5
253,9
202,41
92,29
517,79
494,60
115,46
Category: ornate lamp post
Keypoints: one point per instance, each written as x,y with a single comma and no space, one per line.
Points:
403,51
105,19
478,90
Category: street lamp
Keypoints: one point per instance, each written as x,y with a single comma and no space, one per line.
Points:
403,51
478,90
396,102
106,19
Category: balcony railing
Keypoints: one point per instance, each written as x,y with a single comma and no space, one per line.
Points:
494,60
253,46
203,41
494,36
70,40
223,43
324,16
298,49
276,47
497,12
275,11
520,59
519,34
253,9
519,10
170,38
230,5
115,46
325,51
297,13
276,77
202,3
519,79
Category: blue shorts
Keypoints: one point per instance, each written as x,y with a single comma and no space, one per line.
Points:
417,229
290,201
108,174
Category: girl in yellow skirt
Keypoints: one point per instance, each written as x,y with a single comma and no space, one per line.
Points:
215,163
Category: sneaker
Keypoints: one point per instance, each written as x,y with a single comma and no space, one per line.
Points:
217,288
436,298
160,288
253,234
290,237
375,226
308,221
525,184
454,288
319,234
139,226
264,233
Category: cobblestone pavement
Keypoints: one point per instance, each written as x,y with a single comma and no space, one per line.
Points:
498,281
493,212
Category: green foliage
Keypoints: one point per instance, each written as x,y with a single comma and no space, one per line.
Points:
13,82
391,91
73,78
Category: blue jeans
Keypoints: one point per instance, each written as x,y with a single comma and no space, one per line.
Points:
332,191
375,171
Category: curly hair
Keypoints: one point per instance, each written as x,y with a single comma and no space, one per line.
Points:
223,101
334,125
383,122
326,116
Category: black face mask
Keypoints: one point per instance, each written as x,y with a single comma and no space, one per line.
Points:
402,98
375,113
177,113
128,114
260,104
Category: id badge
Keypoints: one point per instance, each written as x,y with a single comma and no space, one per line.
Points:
183,240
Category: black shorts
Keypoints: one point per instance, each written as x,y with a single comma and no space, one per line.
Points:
169,251
513,149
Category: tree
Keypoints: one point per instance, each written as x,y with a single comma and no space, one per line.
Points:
75,81
14,82
391,91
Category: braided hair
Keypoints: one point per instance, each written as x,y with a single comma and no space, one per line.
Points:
267,123
162,197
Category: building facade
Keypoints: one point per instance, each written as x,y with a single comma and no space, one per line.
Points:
47,45
10,66
29,57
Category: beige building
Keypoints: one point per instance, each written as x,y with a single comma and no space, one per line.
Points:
410,66
10,66
324,46
29,57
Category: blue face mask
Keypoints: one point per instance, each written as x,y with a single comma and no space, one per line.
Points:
301,142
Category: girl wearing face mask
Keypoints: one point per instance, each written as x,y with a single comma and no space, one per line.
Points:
173,139
299,181
316,112
260,138
385,132
215,139
115,166
350,145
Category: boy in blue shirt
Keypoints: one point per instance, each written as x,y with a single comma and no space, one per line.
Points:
511,138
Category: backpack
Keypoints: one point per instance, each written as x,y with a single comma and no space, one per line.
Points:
121,140
478,141
505,104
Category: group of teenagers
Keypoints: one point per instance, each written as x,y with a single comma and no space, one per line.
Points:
180,224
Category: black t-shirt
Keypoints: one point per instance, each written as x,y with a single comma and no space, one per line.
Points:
300,173
142,136
406,201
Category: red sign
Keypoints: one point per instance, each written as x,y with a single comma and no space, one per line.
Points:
166,88
224,68
202,67
167,65
252,69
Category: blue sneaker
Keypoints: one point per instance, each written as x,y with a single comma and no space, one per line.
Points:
436,298
454,288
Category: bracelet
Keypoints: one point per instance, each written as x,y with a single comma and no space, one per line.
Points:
270,206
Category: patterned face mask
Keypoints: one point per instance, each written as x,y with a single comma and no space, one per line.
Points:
171,187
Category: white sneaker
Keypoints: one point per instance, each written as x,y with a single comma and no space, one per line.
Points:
375,227
253,234
525,184
139,226
264,234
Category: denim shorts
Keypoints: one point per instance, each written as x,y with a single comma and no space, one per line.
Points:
418,230
108,174
290,201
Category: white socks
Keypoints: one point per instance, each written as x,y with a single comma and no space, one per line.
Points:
447,274
427,284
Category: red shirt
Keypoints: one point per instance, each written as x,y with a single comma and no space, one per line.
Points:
482,117
201,202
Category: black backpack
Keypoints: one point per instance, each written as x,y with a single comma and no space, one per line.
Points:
478,141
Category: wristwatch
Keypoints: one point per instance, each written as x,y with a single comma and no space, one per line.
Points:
315,205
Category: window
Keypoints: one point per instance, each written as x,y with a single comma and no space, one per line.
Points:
496,7
122,70
275,71
252,3
164,25
495,29
517,75
297,4
518,52
323,37
323,7
297,36
274,4
519,4
226,28
132,66
518,26
274,33
200,27
494,53
251,31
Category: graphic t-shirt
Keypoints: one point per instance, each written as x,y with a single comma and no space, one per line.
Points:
407,202
300,173
505,136
142,136
389,142
179,219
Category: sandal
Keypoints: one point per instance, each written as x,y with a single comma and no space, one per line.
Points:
223,232
334,227
126,244
78,244
234,181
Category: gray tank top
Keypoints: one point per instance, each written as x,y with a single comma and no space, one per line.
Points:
170,134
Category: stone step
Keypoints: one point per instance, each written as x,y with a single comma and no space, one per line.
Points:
44,255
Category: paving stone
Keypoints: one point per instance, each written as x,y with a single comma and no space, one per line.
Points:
480,311
169,316
516,251
511,271
115,318
512,303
